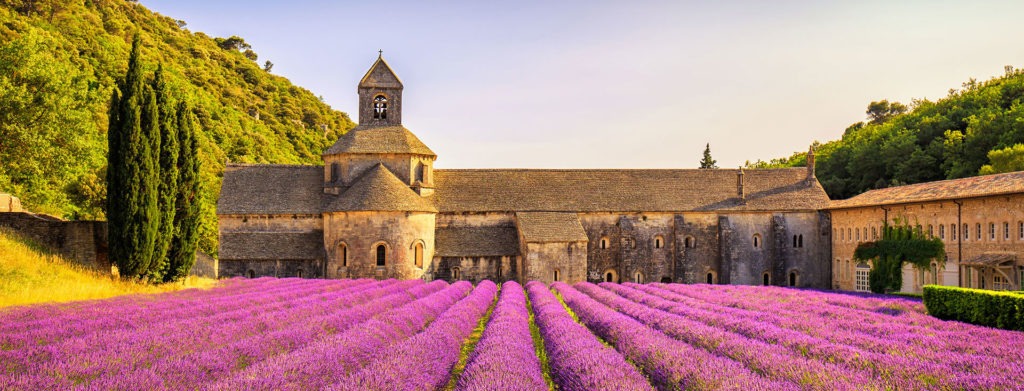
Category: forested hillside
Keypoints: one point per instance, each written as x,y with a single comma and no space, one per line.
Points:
59,62
977,129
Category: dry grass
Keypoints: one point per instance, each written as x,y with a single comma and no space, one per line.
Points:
31,274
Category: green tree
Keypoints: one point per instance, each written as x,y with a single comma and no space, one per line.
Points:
1008,159
881,111
184,243
707,161
132,184
899,244
168,175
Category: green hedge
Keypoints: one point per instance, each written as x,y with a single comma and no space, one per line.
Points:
1004,310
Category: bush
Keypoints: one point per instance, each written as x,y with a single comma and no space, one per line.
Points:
1004,310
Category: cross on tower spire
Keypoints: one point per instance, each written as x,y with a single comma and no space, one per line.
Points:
380,53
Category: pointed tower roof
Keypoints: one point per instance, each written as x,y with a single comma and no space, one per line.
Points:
380,190
380,75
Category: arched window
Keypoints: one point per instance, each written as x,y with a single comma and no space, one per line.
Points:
931,231
766,279
690,242
952,232
992,231
942,231
1006,231
874,233
419,171
757,240
710,278
800,242
252,273
849,234
456,274
862,280
794,241
657,242
556,275
604,243
610,275
380,107
638,278
977,231
382,253
298,273
343,252
966,232
793,278
857,232
417,251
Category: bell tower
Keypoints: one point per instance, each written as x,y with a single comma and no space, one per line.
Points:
380,96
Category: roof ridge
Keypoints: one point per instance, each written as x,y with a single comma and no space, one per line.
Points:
271,165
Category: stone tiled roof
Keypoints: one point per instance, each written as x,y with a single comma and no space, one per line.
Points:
271,189
525,190
991,259
379,139
545,227
476,241
979,186
272,245
380,74
379,190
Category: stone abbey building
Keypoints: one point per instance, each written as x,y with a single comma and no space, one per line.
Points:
378,208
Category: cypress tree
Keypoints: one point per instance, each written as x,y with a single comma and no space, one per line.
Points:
168,176
707,161
128,220
182,254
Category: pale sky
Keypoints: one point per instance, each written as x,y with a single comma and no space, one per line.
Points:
624,84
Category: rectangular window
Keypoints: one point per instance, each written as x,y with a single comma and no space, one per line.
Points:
1000,283
874,233
952,231
977,230
967,232
1020,229
942,231
992,231
1006,231
862,283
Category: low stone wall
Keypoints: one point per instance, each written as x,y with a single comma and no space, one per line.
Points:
84,242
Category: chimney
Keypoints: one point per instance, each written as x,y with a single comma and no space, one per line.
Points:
810,165
739,184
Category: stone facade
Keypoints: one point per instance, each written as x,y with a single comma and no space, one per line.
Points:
975,218
377,208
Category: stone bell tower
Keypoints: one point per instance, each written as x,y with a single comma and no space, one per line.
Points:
380,96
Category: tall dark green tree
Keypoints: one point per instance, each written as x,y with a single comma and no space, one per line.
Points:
899,244
184,243
707,161
168,175
132,185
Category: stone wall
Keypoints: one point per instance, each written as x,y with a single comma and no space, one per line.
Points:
357,235
548,262
9,203
474,269
84,242
270,268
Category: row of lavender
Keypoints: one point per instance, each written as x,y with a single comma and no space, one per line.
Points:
411,335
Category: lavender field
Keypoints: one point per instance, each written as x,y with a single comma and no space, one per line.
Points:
294,334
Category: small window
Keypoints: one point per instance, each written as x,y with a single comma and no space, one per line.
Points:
456,274
942,231
556,275
298,273
690,242
766,279
1006,231
800,242
611,276
709,278
952,232
420,169
794,241
857,232
842,235
344,254
757,240
657,242
793,278
418,254
252,273
380,107
992,231
967,232
874,233
604,243
382,253
1020,231
931,230
849,234
638,278
977,231
335,170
